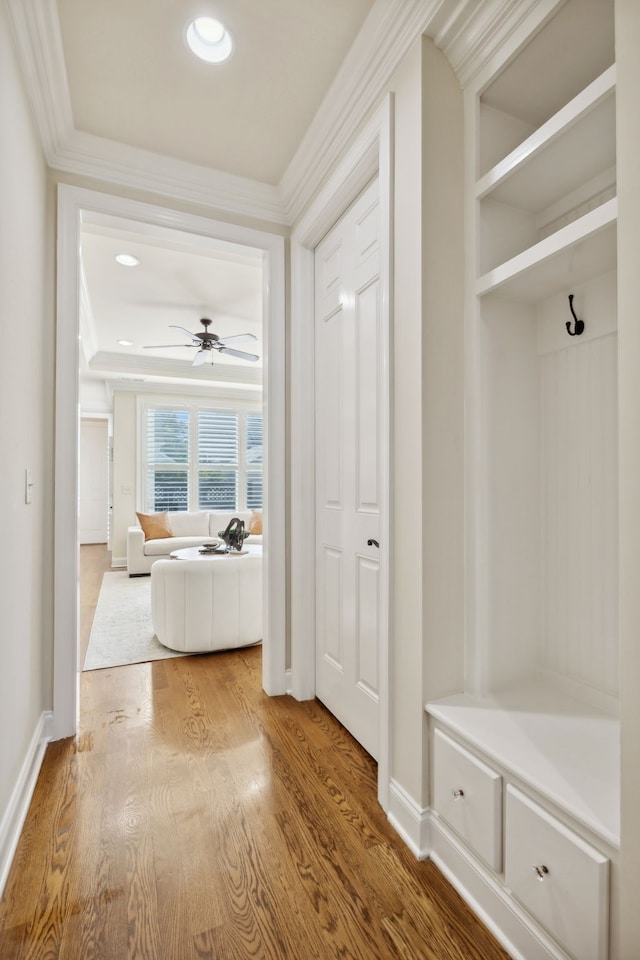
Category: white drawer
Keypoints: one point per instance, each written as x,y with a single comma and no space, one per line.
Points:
468,795
561,880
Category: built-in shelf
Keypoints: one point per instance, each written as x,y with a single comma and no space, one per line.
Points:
571,255
573,147
568,751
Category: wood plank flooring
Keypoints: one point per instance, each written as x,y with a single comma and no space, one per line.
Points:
195,818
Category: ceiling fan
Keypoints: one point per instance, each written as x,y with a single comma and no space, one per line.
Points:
208,342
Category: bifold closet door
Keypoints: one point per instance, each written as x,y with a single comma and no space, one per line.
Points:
348,457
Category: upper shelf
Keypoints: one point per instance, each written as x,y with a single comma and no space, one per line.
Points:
583,249
574,146
574,45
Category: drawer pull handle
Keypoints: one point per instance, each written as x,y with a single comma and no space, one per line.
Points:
457,794
542,872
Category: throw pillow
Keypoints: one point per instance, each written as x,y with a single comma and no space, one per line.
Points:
255,522
155,525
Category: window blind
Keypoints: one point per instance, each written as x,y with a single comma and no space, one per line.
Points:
202,459
167,459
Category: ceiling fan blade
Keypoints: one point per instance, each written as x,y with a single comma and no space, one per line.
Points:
238,353
187,333
158,346
201,357
237,338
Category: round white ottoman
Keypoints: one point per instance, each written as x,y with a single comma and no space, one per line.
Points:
213,603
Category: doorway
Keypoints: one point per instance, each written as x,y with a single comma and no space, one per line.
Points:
75,205
369,156
94,485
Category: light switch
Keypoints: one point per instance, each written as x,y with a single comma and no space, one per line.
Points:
28,485
126,489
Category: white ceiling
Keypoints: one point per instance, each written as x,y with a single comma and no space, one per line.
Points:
180,279
132,78
118,97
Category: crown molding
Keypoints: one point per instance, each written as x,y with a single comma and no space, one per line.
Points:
474,33
388,32
469,32
133,365
36,29
84,154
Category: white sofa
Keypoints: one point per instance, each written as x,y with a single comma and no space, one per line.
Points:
203,605
190,529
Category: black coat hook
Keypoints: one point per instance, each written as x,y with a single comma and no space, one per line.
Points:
579,323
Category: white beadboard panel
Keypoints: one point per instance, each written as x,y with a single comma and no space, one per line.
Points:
508,565
579,628
367,414
367,623
331,626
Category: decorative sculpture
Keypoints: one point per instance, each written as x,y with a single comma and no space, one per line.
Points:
234,535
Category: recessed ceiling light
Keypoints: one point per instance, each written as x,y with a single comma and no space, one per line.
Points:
125,343
209,39
127,260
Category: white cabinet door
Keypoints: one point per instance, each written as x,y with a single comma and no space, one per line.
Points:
468,795
348,468
561,880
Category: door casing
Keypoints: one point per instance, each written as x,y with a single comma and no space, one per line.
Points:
74,204
370,154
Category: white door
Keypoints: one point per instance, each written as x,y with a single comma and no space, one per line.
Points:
348,468
93,506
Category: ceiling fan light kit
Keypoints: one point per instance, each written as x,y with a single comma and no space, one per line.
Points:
207,343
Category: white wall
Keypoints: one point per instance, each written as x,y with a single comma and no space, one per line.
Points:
124,471
428,376
26,423
628,134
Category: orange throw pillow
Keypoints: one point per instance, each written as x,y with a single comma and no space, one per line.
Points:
255,522
155,525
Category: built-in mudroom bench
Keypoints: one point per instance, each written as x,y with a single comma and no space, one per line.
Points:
525,808
525,759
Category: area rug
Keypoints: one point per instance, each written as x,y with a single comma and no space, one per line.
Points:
122,631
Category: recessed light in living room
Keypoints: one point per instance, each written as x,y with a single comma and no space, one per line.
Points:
127,260
125,343
209,39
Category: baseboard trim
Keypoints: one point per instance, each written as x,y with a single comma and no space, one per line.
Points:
510,925
118,561
18,806
410,820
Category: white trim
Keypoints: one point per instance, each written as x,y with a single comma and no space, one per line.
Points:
370,154
410,820
86,155
18,806
521,937
73,202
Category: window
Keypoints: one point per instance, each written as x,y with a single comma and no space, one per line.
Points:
254,462
200,458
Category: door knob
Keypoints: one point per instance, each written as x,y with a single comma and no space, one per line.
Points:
373,543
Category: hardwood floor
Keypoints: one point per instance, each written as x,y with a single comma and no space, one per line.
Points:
195,818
